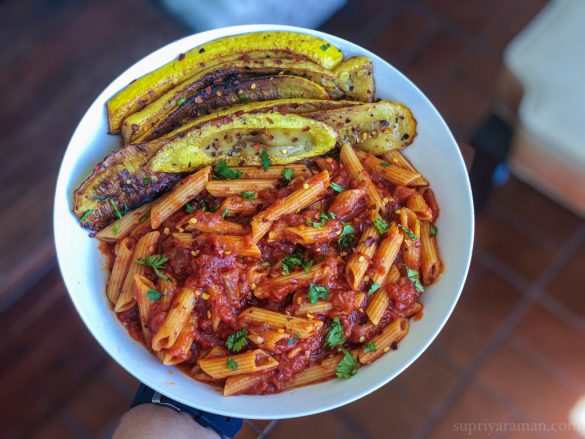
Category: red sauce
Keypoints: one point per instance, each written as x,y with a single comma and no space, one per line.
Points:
229,281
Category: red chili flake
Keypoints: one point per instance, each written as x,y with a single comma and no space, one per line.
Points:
270,137
246,57
278,61
239,113
201,64
181,57
295,139
256,145
198,99
305,129
283,111
339,124
208,90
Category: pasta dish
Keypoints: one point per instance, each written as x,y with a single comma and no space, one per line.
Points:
262,229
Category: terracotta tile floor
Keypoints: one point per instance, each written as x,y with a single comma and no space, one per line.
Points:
513,350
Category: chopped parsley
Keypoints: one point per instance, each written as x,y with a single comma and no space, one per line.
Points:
244,99
248,195
116,210
181,101
317,292
373,288
146,181
227,173
238,340
225,213
347,235
325,47
386,164
347,367
380,225
153,295
145,216
116,227
231,364
265,161
408,232
370,347
188,208
157,263
323,219
336,187
335,335
434,230
287,174
293,339
85,215
100,197
289,262
414,277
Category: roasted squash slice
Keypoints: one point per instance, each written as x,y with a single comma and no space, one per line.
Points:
377,127
243,140
149,87
168,113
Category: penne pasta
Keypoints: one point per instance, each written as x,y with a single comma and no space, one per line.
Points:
391,173
431,264
248,362
239,384
240,206
123,252
268,339
279,286
346,202
359,261
383,260
317,373
383,342
307,235
230,188
213,223
180,351
142,286
239,245
417,204
183,239
182,193
397,158
175,320
273,172
145,246
120,228
314,309
355,169
411,247
275,320
310,192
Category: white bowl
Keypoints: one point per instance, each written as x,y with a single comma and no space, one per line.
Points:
434,152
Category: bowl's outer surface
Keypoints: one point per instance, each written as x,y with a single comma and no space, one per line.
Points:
434,152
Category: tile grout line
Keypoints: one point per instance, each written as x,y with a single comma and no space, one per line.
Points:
562,312
497,338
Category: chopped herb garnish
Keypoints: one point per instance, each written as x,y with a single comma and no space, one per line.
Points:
287,174
414,277
231,364
85,215
188,208
181,101
145,216
386,164
116,210
370,347
325,47
373,288
347,367
238,340
100,197
336,187
224,171
146,181
380,225
293,339
248,195
153,295
225,213
244,99
116,227
317,292
434,230
408,232
157,263
335,335
265,161
347,235
289,262
323,219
